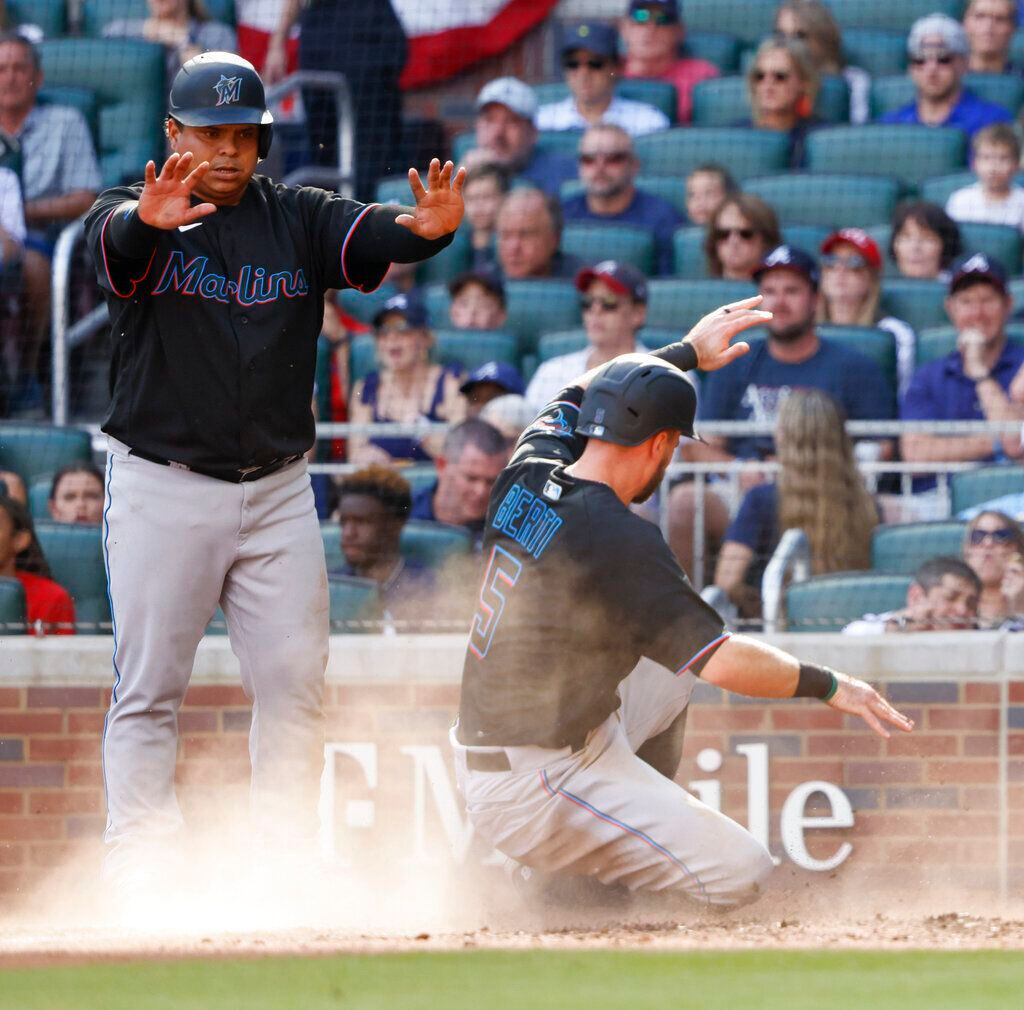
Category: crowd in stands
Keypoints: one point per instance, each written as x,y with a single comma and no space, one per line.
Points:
584,239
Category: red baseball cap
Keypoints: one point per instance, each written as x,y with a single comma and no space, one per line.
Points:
860,239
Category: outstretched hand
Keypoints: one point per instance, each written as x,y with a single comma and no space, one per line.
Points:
166,199
439,206
711,336
857,698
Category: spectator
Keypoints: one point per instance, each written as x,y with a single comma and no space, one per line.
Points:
989,26
48,607
991,540
489,382
993,199
812,23
741,233
938,51
183,27
60,176
608,168
12,254
706,187
12,486
76,495
478,301
473,454
943,597
782,85
818,490
1013,592
924,240
529,231
851,286
614,308
506,135
509,414
590,59
483,191
974,381
654,33
407,388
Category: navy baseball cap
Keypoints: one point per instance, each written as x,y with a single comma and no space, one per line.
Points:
789,257
670,7
976,268
409,307
501,373
621,277
592,36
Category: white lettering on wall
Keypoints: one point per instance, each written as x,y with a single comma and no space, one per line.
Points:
795,822
431,769
358,813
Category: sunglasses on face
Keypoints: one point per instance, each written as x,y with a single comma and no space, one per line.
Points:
604,304
609,157
920,61
721,234
779,76
593,64
1000,536
643,16
851,262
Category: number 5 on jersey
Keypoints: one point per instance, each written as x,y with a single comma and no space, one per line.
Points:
502,568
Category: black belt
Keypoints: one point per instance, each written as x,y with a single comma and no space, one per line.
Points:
497,760
244,476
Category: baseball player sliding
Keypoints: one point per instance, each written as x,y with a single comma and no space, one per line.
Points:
588,639
215,279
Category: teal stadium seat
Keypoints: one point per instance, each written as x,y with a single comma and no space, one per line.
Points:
890,93
975,487
938,341
75,555
723,101
1017,292
437,300
830,602
889,15
878,51
365,307
433,544
917,302
1017,47
565,142
672,190
688,251
420,476
34,451
746,152
552,345
678,304
660,94
831,201
97,13
901,548
449,262
748,20
878,345
535,307
907,152
394,189
12,607
50,15
39,499
355,605
805,236
719,48
127,76
78,98
999,241
941,187
593,242
472,348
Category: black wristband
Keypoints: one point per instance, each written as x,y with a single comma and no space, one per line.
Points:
680,354
129,236
816,682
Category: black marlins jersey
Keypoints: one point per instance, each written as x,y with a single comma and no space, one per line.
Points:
577,589
214,334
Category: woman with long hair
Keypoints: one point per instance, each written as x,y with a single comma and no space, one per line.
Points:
741,232
992,539
925,240
818,490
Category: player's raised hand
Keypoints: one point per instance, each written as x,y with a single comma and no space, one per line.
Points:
439,206
857,698
166,199
712,336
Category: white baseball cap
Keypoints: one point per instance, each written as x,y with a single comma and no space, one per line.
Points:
939,32
510,92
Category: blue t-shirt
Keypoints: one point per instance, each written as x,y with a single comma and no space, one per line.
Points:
970,114
423,504
754,388
757,526
646,211
547,170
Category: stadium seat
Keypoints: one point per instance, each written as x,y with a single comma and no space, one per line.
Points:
420,476
999,241
719,48
75,555
678,304
78,98
671,190
565,142
886,14
362,356
938,341
890,93
433,543
746,152
535,307
881,53
554,345
462,143
688,252
39,498
975,487
393,189
593,242
805,236
909,153
34,451
50,15
878,345
127,76
901,548
749,20
1017,293
12,607
355,605
1017,47
831,201
660,94
723,101
917,302
97,13
365,307
472,348
449,262
330,533
940,188
830,602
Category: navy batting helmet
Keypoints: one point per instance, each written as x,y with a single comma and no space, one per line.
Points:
635,397
218,89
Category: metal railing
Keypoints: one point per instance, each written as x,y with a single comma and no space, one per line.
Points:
791,557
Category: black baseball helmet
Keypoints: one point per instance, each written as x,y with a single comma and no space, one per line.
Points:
634,397
217,89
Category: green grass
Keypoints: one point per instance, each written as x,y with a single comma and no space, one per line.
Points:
537,980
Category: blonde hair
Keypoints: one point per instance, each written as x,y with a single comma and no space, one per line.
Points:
800,56
820,489
870,310
817,21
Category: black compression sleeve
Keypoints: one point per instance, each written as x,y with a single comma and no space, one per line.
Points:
815,682
129,237
680,354
378,239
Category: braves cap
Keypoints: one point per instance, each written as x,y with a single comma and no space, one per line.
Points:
510,92
501,373
977,268
789,257
939,34
860,239
670,7
409,307
487,279
592,36
621,277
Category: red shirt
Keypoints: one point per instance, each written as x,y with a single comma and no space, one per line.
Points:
684,74
47,602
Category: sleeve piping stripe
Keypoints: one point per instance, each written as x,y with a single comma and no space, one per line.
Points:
135,282
703,652
563,403
344,246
